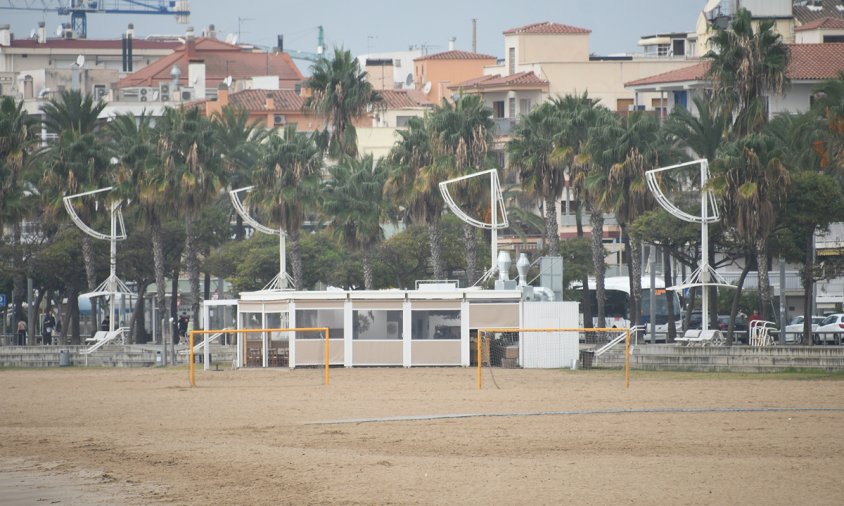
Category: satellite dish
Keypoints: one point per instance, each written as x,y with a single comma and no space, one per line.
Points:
228,81
427,88
409,79
32,34
59,31
80,60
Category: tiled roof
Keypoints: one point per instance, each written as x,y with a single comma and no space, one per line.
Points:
495,81
256,100
822,24
83,44
807,62
547,27
815,61
456,55
221,60
692,73
805,14
404,99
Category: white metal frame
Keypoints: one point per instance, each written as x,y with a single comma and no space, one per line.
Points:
496,201
705,274
282,280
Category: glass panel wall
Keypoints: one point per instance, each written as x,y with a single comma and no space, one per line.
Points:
279,349
435,324
331,318
253,341
376,324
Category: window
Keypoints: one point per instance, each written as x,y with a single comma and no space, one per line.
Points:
377,324
512,56
435,324
679,47
331,318
401,121
498,109
681,99
623,104
524,105
397,63
511,108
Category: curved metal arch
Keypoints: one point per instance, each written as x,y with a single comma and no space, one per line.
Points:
712,215
496,190
77,220
244,213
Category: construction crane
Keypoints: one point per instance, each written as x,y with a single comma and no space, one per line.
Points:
79,9
306,55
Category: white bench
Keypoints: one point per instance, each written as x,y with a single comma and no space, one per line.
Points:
98,336
697,337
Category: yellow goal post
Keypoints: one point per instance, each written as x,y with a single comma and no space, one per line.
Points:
325,330
483,334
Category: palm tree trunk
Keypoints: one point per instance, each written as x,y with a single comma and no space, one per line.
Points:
586,299
367,269
471,254
192,266
160,289
596,219
736,297
296,260
808,289
70,326
138,329
669,296
635,280
552,231
90,276
764,283
435,240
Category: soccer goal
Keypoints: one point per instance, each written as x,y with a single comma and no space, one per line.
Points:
273,347
544,348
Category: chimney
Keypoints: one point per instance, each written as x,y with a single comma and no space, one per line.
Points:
222,95
42,33
5,35
451,43
270,101
130,57
280,43
210,32
196,77
130,30
189,33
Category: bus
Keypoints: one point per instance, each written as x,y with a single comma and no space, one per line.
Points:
617,306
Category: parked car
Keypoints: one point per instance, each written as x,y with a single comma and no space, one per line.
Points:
794,329
831,329
740,328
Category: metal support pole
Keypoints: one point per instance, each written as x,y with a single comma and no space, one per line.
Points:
282,258
31,326
783,304
494,215
652,315
704,251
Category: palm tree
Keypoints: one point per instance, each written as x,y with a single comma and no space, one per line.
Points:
340,92
238,141
17,141
75,161
461,134
540,172
142,180
413,184
752,179
191,165
353,200
745,65
287,182
581,119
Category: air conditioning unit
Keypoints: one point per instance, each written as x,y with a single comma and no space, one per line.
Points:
187,94
164,92
99,92
279,119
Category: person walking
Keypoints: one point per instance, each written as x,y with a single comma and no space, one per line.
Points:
48,327
21,333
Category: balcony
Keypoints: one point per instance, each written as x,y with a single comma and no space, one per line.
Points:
504,126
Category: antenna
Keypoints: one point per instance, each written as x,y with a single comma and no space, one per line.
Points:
704,275
496,203
282,280
112,286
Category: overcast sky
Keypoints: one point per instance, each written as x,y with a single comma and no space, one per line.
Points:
389,25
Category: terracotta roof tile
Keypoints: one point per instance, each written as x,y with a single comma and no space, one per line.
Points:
807,62
404,99
547,27
514,80
692,73
456,55
221,60
256,100
815,61
822,24
828,9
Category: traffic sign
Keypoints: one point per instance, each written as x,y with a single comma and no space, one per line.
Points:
2,300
